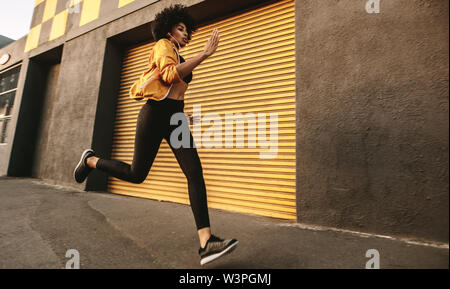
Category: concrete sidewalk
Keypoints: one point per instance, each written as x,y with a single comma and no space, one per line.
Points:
41,222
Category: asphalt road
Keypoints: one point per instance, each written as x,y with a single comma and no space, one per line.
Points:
40,223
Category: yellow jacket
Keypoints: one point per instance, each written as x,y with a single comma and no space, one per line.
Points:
161,77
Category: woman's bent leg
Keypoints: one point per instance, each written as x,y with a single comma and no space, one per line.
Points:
148,137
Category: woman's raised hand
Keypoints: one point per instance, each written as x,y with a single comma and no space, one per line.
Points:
212,43
210,47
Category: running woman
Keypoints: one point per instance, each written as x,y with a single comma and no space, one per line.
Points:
172,29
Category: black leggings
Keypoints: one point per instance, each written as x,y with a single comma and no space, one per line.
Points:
153,124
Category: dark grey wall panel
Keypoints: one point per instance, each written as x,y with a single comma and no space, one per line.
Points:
75,104
106,111
44,159
28,122
372,117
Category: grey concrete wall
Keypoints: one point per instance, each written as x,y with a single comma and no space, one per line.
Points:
372,116
75,105
106,111
43,155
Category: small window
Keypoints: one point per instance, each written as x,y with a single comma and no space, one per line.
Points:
8,87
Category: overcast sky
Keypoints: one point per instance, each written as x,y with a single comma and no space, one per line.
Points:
15,17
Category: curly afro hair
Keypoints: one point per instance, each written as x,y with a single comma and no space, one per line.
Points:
169,17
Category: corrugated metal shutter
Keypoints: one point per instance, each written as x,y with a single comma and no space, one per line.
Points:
252,71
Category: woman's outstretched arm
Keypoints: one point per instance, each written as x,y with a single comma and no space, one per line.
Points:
188,66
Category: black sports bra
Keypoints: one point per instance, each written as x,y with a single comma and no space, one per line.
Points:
188,78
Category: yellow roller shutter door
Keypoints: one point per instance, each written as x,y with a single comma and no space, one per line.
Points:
253,71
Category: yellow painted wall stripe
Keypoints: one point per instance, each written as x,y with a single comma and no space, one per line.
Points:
49,10
124,2
253,71
38,2
59,25
90,11
33,38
